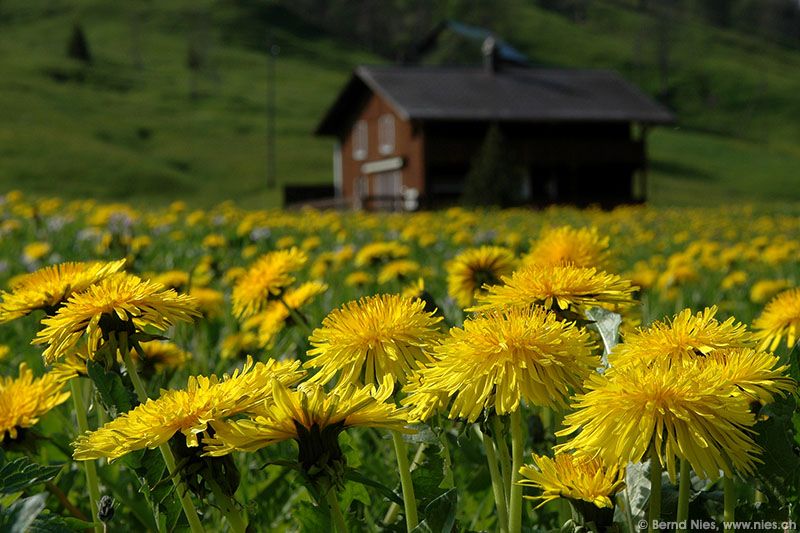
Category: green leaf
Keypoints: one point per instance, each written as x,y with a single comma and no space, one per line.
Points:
312,518
440,514
50,523
115,397
22,473
354,475
19,516
779,472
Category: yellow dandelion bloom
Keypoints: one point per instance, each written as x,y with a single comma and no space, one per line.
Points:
756,375
400,269
276,316
365,340
582,247
779,319
377,252
160,355
504,357
558,287
573,477
187,411
49,287
359,278
239,344
122,302
684,337
25,399
676,409
265,278
171,279
210,302
766,289
473,268
35,251
306,414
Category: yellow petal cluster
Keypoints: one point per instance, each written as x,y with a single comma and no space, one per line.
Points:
264,279
24,399
122,298
565,245
558,287
573,477
309,407
377,336
188,411
780,318
501,358
473,268
50,286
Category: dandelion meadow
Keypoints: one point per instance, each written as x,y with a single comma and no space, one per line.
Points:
513,370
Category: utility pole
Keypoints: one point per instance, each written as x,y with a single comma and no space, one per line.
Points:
272,57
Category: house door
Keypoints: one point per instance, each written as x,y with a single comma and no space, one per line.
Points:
387,189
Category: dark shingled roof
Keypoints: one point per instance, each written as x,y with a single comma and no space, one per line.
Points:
509,94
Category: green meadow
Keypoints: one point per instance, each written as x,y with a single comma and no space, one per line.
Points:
126,127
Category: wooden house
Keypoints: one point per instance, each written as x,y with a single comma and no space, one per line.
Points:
407,135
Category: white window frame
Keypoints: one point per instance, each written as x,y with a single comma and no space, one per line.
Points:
360,140
386,134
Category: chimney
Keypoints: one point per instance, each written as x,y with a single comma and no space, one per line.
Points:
491,55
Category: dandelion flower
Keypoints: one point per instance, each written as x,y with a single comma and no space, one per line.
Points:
373,337
504,357
314,419
675,409
756,375
264,280
24,399
271,321
559,288
583,247
573,477
49,287
379,252
779,319
686,336
121,303
397,270
187,411
475,267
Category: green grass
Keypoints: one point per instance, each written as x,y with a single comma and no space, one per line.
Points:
113,131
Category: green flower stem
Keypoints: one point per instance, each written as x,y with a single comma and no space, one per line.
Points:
655,491
183,493
336,512
502,451
299,320
517,447
497,483
730,502
409,500
228,507
683,495
89,466
394,509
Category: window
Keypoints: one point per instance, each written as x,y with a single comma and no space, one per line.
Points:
360,140
386,134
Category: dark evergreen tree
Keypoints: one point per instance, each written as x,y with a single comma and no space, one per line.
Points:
494,177
78,45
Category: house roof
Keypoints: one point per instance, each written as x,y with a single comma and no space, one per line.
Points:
508,94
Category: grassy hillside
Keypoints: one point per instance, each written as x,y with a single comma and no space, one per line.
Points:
126,128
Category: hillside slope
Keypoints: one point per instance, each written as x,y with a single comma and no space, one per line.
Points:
126,127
